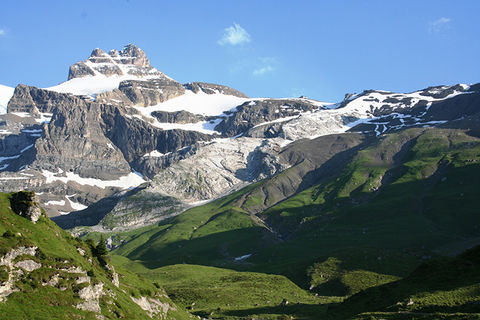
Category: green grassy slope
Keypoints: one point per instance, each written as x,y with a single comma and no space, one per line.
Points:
223,293
446,288
401,200
60,258
413,203
404,197
213,234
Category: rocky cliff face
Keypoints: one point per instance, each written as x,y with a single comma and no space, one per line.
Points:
219,167
137,138
143,92
34,101
182,117
253,113
74,141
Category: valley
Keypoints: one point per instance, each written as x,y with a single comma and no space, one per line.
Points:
184,201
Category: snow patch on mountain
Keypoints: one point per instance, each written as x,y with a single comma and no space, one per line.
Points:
133,179
359,109
207,127
197,103
92,85
6,94
75,205
374,100
55,203
154,154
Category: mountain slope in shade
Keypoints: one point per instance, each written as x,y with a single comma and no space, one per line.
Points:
446,288
401,197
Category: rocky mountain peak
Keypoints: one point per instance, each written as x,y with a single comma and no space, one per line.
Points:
131,60
97,52
131,54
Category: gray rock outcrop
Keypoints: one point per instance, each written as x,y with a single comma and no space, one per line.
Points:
74,141
217,168
91,296
136,137
34,100
25,204
210,88
253,113
143,93
177,117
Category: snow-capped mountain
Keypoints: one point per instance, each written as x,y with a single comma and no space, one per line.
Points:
118,122
103,71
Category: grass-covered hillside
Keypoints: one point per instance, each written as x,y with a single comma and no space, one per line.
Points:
393,203
445,288
406,196
45,273
221,293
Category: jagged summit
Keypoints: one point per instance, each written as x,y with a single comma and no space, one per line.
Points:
131,60
102,71
130,54
126,77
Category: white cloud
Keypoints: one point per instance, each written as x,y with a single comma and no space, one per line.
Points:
2,32
439,24
234,35
264,66
263,70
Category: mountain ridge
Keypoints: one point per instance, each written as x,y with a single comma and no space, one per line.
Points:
150,123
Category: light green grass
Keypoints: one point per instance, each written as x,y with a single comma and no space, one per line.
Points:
57,250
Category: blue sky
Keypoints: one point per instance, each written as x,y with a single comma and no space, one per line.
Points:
268,48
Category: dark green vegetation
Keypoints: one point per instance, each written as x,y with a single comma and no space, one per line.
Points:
368,213
444,288
57,283
223,293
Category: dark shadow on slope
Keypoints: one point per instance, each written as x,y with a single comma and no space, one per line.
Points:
391,222
309,167
299,311
333,166
432,277
95,212
219,249
394,220
470,123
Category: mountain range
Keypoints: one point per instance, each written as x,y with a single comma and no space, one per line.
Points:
207,191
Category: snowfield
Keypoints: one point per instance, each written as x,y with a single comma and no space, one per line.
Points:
197,103
131,180
6,94
93,85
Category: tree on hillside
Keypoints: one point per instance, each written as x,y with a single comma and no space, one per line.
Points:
101,248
